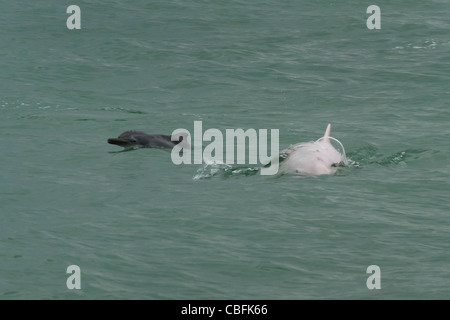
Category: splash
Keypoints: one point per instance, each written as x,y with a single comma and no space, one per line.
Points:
214,168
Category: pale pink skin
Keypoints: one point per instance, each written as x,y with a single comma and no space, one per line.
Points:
312,158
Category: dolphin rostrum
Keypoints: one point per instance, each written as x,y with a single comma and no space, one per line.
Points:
313,158
139,139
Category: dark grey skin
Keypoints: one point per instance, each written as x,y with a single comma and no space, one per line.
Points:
139,139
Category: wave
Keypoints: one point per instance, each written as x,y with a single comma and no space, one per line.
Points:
360,158
369,155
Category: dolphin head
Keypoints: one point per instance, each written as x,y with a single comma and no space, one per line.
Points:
139,139
130,139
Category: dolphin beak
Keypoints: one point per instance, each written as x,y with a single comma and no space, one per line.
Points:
119,142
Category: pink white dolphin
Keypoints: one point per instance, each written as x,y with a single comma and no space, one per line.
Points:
313,158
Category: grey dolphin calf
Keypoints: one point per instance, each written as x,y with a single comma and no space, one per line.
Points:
139,139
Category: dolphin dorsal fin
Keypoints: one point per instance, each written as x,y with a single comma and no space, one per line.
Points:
327,133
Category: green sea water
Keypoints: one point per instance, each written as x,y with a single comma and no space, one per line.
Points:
140,227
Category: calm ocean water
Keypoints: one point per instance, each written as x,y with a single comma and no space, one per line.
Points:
140,227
